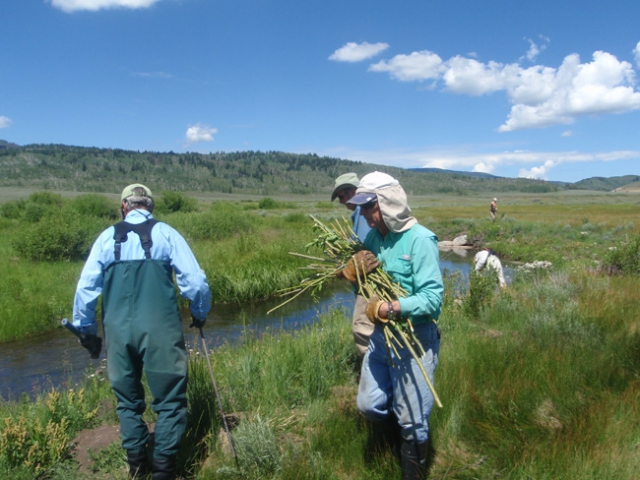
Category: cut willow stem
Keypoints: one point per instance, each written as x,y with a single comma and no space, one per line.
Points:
413,353
310,257
339,243
389,337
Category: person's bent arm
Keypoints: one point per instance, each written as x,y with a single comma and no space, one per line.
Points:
191,279
90,287
427,280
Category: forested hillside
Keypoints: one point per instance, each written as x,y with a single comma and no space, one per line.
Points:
69,168
607,184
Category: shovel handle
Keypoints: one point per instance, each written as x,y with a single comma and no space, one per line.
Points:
69,326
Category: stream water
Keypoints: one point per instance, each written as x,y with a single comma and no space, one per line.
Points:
55,358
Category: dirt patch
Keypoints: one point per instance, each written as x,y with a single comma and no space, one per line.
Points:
93,440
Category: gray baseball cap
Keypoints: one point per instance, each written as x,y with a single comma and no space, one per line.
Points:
347,180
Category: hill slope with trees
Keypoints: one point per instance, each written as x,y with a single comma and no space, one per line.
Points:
83,169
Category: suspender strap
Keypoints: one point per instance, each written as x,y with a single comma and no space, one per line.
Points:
143,230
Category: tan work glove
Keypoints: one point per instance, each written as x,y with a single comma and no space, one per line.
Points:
372,309
366,261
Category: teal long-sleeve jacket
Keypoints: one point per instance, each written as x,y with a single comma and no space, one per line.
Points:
413,260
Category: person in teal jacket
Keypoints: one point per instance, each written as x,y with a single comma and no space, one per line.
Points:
392,387
131,265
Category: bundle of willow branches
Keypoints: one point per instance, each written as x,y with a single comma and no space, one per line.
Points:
339,243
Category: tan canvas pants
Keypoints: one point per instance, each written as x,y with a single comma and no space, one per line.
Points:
361,326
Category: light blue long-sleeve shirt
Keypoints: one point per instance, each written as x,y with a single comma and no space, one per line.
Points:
168,245
413,260
360,226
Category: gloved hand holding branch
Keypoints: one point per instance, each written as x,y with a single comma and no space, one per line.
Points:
361,264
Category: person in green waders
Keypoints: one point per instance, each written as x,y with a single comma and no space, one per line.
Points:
131,264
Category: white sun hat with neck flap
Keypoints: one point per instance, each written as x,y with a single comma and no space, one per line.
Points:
391,198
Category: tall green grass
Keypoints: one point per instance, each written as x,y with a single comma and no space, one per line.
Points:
541,382
47,237
538,386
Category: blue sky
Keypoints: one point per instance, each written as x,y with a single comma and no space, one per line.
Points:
546,89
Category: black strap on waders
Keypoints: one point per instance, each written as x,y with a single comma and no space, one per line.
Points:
143,230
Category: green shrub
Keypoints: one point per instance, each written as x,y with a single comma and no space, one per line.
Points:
33,212
171,202
13,210
482,287
624,258
96,206
46,198
36,440
219,222
268,203
67,236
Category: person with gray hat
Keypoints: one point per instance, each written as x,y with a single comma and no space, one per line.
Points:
345,188
392,386
131,265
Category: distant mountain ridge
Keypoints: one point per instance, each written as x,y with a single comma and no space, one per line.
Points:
88,169
592,183
442,170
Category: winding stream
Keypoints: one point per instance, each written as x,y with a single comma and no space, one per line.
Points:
55,358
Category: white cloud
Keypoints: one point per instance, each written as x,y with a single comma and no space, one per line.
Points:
533,164
466,75
540,96
483,168
95,5
417,66
603,86
535,49
636,52
200,133
567,133
5,122
539,172
356,52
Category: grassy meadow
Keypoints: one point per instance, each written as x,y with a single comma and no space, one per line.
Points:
540,381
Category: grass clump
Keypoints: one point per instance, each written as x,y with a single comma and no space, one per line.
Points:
624,258
257,448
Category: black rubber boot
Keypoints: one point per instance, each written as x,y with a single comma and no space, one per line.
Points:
413,459
164,468
138,463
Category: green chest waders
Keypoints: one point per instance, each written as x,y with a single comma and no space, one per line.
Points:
143,330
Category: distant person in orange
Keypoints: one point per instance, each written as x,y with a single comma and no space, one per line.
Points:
493,208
